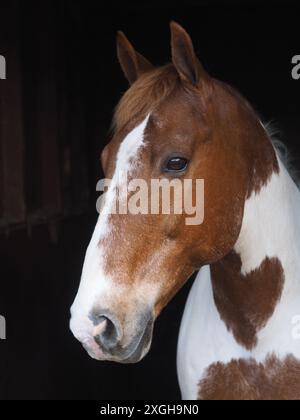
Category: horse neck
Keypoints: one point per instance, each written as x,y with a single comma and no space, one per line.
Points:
262,272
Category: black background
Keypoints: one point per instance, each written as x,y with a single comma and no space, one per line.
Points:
249,45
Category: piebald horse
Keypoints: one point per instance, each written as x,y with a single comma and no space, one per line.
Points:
236,338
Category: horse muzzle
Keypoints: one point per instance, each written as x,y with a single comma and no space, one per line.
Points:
111,340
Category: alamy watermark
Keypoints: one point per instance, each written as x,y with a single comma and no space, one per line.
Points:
296,327
154,196
296,68
2,328
2,67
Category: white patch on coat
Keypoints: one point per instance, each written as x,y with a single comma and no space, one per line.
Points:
275,232
95,284
271,224
270,228
203,338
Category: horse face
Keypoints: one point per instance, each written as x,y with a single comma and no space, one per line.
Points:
136,263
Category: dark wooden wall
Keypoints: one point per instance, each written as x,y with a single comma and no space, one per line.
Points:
12,187
43,146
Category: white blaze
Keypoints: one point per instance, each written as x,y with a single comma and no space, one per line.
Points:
94,281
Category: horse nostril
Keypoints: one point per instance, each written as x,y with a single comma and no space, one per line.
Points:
100,327
106,333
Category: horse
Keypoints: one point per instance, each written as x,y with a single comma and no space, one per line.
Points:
237,339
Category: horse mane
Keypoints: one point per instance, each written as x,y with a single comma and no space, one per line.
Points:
145,94
283,152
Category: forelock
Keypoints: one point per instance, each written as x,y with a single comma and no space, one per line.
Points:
146,94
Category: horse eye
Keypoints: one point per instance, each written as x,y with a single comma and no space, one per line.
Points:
176,164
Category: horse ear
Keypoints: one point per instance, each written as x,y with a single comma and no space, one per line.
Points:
183,56
132,63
